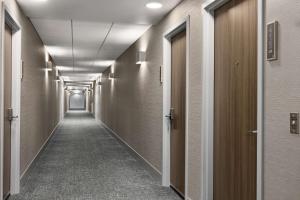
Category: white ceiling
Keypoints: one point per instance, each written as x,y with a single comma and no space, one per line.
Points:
101,30
91,52
121,11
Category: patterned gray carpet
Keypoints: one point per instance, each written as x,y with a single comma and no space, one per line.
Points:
83,161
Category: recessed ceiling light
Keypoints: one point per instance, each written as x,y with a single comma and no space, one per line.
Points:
37,1
154,5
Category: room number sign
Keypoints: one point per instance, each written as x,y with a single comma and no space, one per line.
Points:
272,41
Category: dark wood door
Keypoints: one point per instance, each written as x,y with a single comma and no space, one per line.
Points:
235,101
178,93
7,105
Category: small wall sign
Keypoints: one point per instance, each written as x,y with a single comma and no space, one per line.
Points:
161,75
272,41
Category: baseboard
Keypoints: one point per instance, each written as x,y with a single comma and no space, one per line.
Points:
126,144
42,147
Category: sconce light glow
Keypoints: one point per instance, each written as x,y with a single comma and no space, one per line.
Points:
49,66
154,5
35,1
104,63
46,54
57,79
64,68
59,50
140,57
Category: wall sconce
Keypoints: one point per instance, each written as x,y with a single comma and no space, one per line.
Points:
57,78
140,57
49,66
111,75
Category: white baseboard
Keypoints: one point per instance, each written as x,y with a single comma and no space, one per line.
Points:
124,142
42,147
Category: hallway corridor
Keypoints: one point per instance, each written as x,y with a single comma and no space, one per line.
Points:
150,100
83,161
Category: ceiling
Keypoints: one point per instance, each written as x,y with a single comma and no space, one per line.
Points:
84,37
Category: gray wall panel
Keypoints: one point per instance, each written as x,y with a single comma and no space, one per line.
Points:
77,102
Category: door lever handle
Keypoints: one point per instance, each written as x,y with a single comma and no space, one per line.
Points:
171,116
10,114
252,132
10,118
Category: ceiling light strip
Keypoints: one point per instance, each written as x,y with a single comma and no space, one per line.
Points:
103,42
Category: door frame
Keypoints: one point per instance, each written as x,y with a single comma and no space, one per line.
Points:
87,95
208,9
166,168
7,17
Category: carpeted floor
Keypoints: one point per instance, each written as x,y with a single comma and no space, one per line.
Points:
83,161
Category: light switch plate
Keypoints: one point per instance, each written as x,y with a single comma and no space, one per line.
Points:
294,123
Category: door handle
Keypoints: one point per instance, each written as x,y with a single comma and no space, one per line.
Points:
168,116
10,115
171,116
252,132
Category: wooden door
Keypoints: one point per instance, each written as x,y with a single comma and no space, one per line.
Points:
7,105
178,94
235,101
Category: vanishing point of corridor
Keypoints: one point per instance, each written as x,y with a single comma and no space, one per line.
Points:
83,161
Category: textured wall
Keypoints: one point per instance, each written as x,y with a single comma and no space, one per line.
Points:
39,92
282,96
132,103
